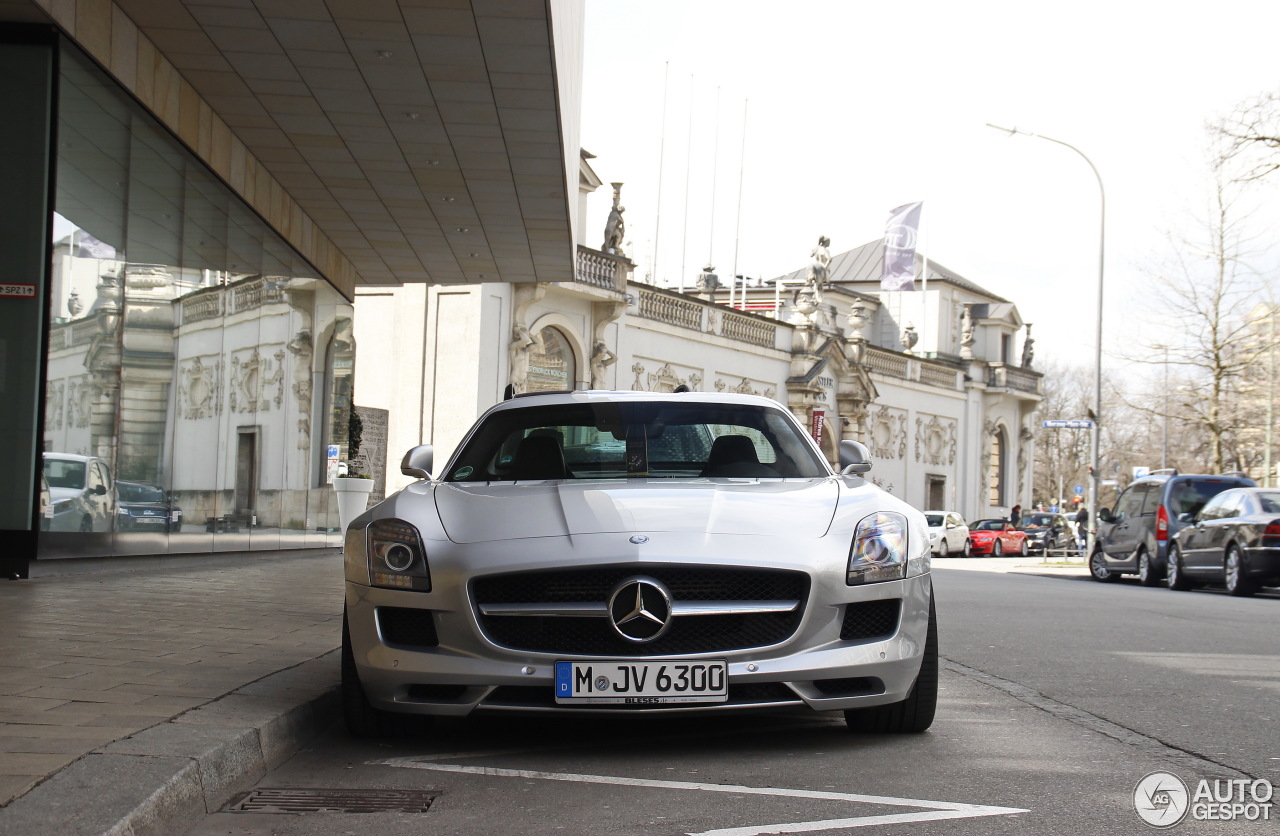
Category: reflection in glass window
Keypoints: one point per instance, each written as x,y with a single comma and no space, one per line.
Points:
551,362
181,355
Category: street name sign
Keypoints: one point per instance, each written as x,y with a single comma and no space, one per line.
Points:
1067,424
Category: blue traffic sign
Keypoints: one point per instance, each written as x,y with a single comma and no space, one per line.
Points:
1079,489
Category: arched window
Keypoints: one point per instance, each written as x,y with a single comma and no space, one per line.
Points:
551,362
996,468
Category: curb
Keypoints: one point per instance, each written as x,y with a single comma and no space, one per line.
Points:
167,777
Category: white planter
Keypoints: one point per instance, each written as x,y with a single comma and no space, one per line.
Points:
353,498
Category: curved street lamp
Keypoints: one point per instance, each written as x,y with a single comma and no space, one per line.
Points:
1095,432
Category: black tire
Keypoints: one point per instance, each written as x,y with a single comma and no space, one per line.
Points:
1146,572
914,714
996,549
363,720
1174,577
968,547
1233,575
1098,568
943,549
1023,550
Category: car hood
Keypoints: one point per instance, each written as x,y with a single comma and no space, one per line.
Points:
487,512
57,494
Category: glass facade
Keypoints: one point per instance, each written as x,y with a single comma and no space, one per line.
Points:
198,370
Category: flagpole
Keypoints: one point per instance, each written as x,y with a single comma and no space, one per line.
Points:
737,232
688,161
662,151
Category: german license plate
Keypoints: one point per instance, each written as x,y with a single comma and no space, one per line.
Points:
641,683
154,520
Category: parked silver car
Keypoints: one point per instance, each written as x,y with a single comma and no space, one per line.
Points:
82,492
632,552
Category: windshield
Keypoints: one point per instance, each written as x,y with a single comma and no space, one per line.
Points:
934,520
988,525
1188,496
60,473
1037,521
1270,502
134,492
621,440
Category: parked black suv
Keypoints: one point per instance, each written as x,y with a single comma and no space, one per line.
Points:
1134,538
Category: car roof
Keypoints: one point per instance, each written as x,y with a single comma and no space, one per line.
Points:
592,396
67,457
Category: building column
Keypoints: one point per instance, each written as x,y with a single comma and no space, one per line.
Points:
27,61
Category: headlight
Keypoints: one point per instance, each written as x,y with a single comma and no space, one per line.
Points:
879,550
396,556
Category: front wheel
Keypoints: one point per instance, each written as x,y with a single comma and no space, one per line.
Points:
1237,584
914,714
943,549
1146,572
1174,578
1022,550
1098,568
996,549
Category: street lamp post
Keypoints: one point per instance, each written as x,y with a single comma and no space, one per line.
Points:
1095,433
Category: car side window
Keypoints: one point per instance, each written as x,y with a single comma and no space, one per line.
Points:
1129,504
1148,498
1231,505
1215,509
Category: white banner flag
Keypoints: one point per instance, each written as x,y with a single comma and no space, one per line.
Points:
900,235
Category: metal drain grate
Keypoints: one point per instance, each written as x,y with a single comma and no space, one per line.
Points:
295,801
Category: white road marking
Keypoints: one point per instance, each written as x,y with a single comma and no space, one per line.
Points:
934,810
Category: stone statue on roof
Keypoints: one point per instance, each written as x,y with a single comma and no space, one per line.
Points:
615,229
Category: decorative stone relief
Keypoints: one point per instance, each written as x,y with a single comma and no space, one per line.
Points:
666,379
638,384
888,432
935,440
53,401
79,402
254,378
200,388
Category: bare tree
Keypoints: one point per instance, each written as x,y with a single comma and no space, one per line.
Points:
1202,294
1062,455
1252,136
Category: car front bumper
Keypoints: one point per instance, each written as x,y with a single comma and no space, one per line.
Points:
455,667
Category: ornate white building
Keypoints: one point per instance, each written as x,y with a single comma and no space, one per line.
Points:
929,379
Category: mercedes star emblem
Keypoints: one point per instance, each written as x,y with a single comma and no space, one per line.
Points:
640,609
639,538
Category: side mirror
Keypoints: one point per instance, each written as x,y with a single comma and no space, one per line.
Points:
1104,515
100,490
854,458
417,462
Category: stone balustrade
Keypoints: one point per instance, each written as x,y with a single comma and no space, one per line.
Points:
706,317
600,269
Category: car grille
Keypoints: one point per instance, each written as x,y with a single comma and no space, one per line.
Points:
595,636
870,620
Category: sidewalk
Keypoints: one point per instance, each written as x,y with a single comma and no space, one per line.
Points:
1019,565
135,701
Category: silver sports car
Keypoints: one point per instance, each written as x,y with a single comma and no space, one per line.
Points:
636,552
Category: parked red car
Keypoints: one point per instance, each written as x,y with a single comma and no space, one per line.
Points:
997,537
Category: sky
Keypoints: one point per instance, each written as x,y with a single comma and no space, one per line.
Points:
853,108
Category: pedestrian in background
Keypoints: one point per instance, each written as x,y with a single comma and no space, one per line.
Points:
1015,514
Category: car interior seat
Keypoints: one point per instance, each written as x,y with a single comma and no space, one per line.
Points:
538,457
735,455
